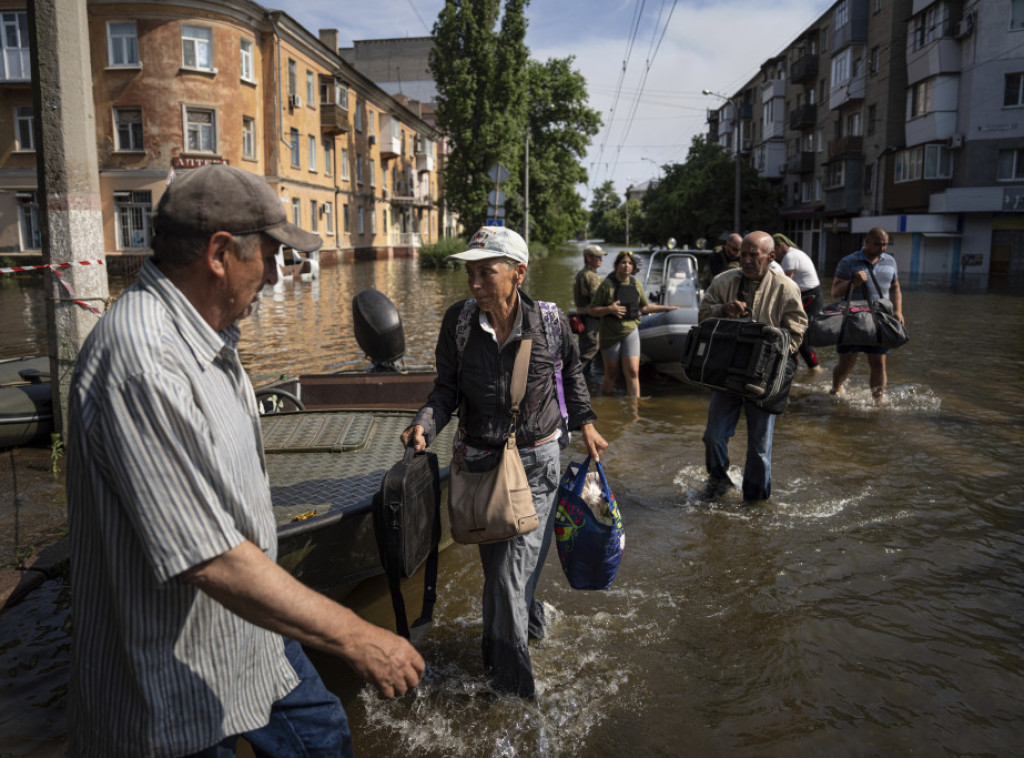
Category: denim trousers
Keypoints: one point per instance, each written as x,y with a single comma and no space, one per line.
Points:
511,571
723,415
308,721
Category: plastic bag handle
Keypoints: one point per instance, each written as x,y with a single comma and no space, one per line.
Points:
581,479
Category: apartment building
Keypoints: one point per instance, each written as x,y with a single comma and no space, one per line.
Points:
905,114
178,85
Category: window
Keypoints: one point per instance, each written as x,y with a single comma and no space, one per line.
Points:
296,211
373,173
311,146
1010,166
28,220
817,189
344,164
293,78
310,90
128,122
834,174
245,50
853,124
328,158
341,94
359,169
24,122
197,47
314,216
874,59
294,142
329,218
249,138
370,125
919,99
373,221
132,211
359,223
841,14
359,117
821,139
938,162
1013,91
841,68
871,119
122,43
869,172
14,47
344,218
200,130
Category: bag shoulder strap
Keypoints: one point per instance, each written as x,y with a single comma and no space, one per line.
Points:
518,389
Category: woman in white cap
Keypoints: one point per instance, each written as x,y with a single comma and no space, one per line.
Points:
475,353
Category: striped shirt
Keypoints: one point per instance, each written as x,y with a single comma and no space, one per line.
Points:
165,471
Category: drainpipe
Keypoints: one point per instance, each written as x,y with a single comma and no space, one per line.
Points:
277,99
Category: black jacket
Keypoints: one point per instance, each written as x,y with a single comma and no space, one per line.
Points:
482,385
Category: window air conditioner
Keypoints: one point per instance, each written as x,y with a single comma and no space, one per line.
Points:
294,101
372,139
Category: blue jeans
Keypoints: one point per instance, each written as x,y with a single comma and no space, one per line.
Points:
308,721
723,414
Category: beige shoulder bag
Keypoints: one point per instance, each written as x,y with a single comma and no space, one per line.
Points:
495,505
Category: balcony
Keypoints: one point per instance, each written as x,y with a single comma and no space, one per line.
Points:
845,92
845,146
773,88
425,162
804,69
803,116
334,119
801,163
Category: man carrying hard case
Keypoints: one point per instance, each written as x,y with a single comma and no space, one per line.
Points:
770,298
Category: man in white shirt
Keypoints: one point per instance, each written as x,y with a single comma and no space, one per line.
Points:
799,267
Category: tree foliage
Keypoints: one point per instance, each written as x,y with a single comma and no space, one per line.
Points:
482,105
695,199
561,127
605,199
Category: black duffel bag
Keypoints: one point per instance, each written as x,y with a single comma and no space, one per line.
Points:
869,323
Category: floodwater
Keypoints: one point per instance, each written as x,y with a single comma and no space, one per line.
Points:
874,607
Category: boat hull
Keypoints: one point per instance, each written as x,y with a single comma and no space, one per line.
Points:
26,403
663,339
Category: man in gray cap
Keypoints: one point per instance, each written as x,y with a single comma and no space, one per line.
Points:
187,633
583,288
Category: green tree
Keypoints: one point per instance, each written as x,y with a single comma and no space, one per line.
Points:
605,199
561,127
613,224
480,71
695,198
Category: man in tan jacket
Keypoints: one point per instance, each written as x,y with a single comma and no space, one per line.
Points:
768,296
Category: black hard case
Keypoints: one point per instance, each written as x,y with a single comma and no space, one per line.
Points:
740,357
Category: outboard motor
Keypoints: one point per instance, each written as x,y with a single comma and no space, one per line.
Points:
378,328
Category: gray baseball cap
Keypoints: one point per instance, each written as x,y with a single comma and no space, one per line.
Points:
218,197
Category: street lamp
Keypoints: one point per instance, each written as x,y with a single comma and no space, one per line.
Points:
736,199
656,164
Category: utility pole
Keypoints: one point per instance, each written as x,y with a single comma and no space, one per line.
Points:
628,188
526,194
69,190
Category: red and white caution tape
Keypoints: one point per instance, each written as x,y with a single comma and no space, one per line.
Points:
17,269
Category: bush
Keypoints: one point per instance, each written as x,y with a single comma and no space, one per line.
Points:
433,256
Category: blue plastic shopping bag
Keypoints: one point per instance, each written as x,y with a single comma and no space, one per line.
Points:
589,544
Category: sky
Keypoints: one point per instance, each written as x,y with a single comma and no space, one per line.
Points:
646,62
